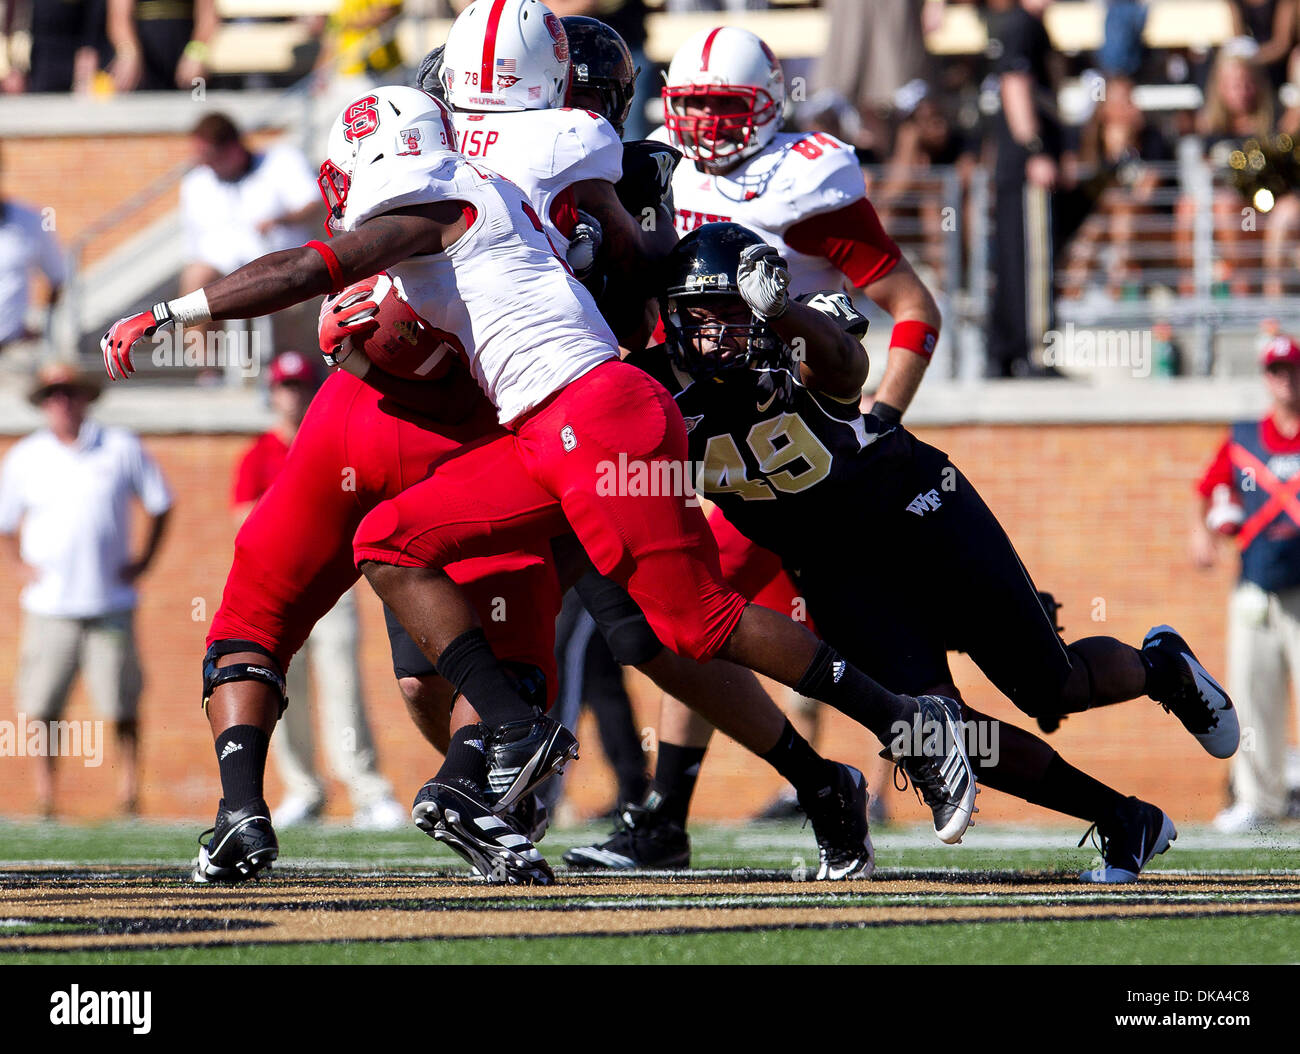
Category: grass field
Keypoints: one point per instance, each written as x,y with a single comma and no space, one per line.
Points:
118,894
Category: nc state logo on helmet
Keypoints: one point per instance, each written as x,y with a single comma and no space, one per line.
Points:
506,55
381,125
724,97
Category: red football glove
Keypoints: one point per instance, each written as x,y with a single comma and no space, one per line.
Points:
352,311
122,335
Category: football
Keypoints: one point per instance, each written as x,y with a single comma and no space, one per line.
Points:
402,342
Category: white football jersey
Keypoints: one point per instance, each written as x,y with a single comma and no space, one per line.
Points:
500,296
797,175
544,152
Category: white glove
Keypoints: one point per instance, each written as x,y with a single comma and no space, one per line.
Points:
584,245
764,281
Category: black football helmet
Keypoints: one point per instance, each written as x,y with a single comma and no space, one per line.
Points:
428,77
599,58
700,272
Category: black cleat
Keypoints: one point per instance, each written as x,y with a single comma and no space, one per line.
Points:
643,839
932,754
1198,701
522,755
839,817
242,843
530,817
491,846
1137,833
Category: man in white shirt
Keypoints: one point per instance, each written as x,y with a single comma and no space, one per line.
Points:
25,246
238,204
68,488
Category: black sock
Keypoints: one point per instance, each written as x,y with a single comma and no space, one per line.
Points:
466,763
1162,672
832,680
1065,789
468,663
795,759
676,771
241,757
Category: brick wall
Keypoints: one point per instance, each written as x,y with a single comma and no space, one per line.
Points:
1099,514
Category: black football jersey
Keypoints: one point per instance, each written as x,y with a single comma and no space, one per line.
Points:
785,463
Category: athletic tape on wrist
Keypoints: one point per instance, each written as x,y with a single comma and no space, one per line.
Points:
190,309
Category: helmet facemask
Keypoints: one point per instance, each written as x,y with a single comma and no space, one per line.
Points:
334,184
711,333
717,140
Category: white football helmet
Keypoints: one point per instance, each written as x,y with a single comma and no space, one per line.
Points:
733,74
506,55
388,122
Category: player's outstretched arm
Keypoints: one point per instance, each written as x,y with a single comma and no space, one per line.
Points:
831,360
905,297
281,279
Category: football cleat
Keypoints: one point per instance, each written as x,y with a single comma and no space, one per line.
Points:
522,755
1137,833
839,818
1198,701
643,839
529,817
492,847
241,843
940,771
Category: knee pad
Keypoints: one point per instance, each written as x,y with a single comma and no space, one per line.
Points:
268,673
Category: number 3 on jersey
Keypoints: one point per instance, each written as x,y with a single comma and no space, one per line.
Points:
775,444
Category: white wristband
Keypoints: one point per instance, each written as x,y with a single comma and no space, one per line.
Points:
191,308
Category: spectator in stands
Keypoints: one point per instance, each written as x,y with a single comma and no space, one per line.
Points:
68,488
160,44
360,45
1275,26
68,42
925,140
1026,173
331,650
1238,105
26,245
1258,461
1118,149
238,204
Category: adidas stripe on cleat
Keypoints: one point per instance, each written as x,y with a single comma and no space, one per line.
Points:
944,778
522,755
494,848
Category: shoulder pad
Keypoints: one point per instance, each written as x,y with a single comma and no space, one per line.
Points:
811,174
647,181
837,306
579,145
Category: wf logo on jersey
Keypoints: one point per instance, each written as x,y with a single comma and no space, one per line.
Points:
923,503
361,119
567,439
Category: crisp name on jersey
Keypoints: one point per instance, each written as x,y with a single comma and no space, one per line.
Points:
477,142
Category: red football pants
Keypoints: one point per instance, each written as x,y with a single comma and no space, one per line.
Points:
604,454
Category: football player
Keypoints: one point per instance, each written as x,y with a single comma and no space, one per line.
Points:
768,384
603,76
493,287
804,194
